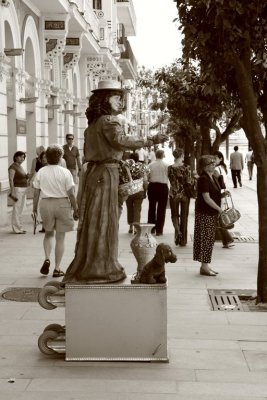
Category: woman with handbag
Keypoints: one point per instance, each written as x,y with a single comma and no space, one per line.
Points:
96,252
207,210
221,173
18,181
179,176
134,201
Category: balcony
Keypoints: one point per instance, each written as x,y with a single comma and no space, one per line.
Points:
126,16
128,62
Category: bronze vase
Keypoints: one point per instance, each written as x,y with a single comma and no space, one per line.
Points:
143,245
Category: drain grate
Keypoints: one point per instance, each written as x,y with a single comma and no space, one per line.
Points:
238,237
23,294
225,300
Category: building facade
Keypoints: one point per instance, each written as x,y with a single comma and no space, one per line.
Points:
52,54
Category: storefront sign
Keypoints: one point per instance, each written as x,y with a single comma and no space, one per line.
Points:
72,41
54,25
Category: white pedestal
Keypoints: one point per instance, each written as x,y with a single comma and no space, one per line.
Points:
116,322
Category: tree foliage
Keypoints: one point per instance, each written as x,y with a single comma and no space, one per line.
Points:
228,40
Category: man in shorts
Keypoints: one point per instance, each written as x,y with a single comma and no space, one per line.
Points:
54,184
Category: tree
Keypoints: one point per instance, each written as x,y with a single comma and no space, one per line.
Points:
229,42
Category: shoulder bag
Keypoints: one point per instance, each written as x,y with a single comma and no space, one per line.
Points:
230,214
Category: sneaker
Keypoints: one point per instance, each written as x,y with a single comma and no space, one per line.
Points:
57,273
45,267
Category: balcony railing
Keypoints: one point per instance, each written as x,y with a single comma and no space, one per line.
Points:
128,53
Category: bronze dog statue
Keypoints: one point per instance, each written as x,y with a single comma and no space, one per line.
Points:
154,270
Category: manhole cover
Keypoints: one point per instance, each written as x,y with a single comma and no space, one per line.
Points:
23,294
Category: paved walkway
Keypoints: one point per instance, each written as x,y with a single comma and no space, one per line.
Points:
213,355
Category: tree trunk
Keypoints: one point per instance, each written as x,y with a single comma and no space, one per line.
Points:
258,143
262,205
205,135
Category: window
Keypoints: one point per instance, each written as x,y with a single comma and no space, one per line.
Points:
97,4
102,33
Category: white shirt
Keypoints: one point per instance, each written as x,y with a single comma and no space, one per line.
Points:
142,154
222,172
158,171
248,156
53,181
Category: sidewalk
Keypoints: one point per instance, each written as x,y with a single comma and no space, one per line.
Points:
213,354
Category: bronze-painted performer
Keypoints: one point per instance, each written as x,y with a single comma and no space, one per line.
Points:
96,253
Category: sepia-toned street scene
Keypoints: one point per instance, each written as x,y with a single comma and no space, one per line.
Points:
133,200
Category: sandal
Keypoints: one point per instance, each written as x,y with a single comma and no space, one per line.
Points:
45,267
57,273
227,246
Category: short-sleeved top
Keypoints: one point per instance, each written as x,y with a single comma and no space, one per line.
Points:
70,156
207,185
105,139
158,172
178,177
20,177
53,181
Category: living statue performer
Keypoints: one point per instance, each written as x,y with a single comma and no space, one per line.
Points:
96,252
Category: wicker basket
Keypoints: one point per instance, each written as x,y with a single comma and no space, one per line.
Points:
131,187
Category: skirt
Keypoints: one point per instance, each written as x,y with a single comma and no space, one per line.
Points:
204,237
96,252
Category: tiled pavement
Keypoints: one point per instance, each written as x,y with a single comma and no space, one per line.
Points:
213,355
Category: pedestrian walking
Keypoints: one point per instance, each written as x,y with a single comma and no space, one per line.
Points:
207,210
142,155
220,172
96,252
157,192
179,176
134,201
36,162
18,181
236,166
72,157
54,184
43,161
249,160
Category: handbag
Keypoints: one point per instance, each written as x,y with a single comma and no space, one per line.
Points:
230,214
190,189
132,186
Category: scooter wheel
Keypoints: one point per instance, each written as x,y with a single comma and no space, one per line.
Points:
43,342
54,327
43,295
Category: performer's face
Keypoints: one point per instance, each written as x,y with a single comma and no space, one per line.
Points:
116,103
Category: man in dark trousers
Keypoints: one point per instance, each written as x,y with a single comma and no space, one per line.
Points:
157,192
236,166
72,157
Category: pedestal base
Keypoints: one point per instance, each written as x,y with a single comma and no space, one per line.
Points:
116,322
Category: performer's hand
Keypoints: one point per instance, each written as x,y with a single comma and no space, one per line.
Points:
159,138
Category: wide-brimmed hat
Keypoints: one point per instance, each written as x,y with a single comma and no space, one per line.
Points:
109,85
